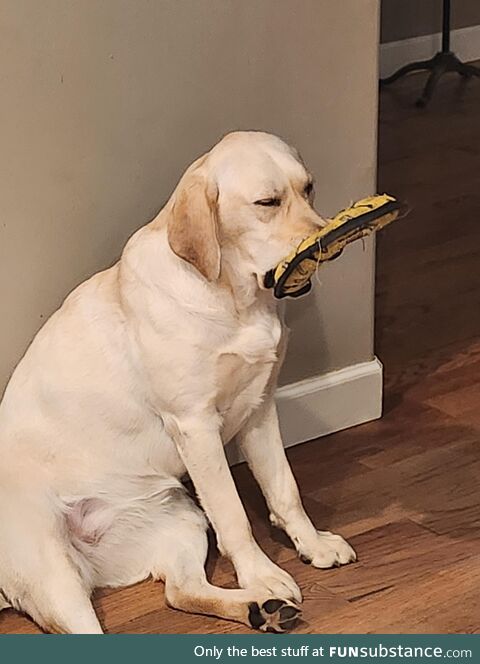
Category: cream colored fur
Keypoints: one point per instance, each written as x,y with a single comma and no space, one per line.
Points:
145,372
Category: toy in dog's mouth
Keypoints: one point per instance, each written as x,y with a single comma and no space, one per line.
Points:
292,277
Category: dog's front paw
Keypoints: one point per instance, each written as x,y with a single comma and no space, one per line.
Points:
327,550
261,572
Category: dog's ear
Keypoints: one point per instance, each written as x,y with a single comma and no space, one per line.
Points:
192,225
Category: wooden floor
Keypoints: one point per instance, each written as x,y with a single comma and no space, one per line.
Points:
405,489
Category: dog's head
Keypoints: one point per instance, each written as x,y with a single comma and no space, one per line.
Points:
247,203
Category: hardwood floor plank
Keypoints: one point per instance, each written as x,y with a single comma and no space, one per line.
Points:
393,555
443,602
409,428
437,488
12,622
462,403
452,367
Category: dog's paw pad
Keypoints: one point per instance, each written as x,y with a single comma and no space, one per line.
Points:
272,605
274,615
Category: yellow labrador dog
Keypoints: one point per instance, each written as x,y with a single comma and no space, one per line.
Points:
143,375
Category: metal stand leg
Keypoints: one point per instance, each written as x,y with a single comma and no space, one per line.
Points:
441,63
468,70
430,86
407,69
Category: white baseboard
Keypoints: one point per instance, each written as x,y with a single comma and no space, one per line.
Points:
464,42
324,404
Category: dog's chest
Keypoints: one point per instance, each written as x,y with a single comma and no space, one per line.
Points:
244,367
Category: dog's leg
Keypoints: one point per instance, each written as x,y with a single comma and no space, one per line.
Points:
200,445
181,552
61,604
262,446
169,542
256,609
53,594
38,576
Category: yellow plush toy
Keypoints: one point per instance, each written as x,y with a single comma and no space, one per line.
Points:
292,277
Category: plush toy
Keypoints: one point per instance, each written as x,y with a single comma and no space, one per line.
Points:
292,277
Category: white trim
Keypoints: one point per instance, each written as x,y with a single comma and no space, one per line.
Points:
324,404
464,42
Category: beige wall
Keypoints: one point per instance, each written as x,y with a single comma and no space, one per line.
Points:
402,19
105,103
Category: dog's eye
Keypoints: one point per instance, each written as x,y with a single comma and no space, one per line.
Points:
269,202
308,189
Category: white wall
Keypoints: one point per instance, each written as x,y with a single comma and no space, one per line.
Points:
105,103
